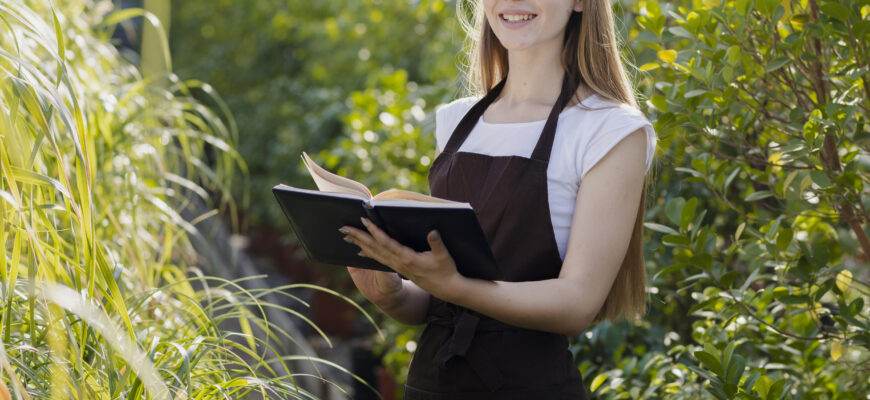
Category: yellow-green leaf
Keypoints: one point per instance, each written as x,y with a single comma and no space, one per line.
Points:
739,231
844,279
597,382
668,56
711,3
836,350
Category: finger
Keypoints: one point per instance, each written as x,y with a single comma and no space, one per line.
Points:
369,247
357,237
386,241
436,244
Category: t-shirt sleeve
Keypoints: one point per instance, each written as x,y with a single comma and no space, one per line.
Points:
617,125
447,116
441,133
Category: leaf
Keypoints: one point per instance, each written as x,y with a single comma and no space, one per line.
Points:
681,32
661,228
676,241
695,93
710,361
762,386
668,56
735,369
783,238
693,172
659,102
673,209
820,256
835,10
776,64
599,379
688,212
861,28
794,299
726,358
776,390
820,178
836,350
711,3
844,279
733,55
727,73
749,382
730,178
787,182
761,194
739,231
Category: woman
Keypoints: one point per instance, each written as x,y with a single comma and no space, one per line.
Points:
559,191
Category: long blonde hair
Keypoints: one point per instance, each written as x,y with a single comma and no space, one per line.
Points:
590,55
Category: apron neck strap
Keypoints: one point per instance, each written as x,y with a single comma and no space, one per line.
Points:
470,119
545,142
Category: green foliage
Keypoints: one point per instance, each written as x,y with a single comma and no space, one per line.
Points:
391,138
756,246
291,70
99,294
763,106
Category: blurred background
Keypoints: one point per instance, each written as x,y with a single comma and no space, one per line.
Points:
141,140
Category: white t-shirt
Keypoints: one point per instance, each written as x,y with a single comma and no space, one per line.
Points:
583,137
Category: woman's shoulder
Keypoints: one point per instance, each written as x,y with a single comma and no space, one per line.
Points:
460,105
447,116
604,123
597,105
597,113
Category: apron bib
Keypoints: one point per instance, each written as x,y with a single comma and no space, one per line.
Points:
463,354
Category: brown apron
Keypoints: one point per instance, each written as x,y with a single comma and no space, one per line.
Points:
463,354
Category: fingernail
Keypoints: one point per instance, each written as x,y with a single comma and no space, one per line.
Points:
364,222
344,231
434,235
361,254
347,239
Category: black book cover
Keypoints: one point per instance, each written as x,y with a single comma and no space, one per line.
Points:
316,216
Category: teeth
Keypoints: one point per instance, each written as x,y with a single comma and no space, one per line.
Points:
517,17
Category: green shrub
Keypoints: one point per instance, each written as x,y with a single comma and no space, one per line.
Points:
100,296
760,229
289,68
757,251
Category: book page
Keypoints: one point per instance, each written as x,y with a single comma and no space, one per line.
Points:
343,195
408,195
328,182
393,202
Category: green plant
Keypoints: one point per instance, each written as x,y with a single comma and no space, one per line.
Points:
100,294
763,225
757,246
289,68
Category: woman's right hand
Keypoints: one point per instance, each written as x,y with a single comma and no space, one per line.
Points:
380,287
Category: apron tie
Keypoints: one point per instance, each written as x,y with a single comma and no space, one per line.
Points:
465,324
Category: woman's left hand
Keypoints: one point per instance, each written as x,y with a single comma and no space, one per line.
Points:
434,271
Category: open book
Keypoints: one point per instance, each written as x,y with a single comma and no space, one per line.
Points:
406,216
328,182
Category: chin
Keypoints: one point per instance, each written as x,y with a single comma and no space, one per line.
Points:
517,46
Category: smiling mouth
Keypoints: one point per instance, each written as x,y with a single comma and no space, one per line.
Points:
517,17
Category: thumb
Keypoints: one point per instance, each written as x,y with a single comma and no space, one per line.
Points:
435,242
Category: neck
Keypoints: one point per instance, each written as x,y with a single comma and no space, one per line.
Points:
535,75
